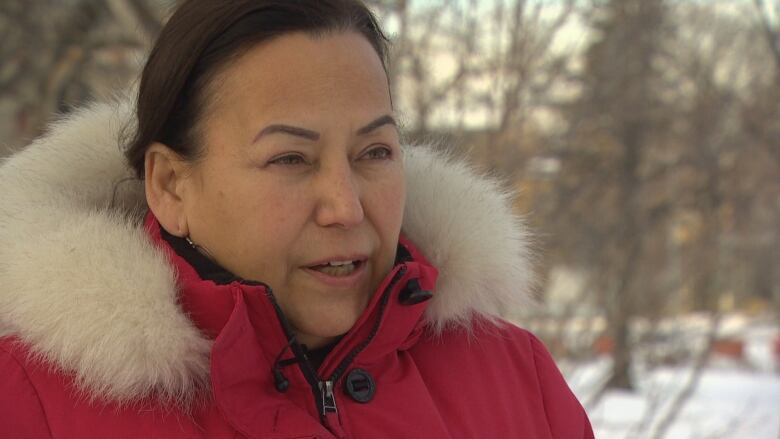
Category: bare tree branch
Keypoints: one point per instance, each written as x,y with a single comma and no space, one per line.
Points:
675,408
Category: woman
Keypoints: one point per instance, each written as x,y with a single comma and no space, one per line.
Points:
297,274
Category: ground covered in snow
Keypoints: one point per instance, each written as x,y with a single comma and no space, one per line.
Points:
733,398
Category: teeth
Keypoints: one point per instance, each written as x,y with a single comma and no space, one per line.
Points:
337,270
338,263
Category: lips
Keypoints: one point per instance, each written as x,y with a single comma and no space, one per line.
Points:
338,268
339,271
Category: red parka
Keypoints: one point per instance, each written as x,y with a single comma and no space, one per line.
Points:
100,343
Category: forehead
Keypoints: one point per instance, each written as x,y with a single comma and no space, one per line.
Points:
298,73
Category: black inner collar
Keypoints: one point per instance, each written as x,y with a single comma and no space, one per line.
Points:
317,356
206,268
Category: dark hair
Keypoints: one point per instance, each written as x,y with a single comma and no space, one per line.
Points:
201,37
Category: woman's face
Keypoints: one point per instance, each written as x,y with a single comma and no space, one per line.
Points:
301,185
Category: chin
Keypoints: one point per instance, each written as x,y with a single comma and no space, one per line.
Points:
334,327
319,328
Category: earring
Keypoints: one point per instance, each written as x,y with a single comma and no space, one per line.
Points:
200,249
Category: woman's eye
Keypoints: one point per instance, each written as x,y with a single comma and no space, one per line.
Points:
378,153
290,159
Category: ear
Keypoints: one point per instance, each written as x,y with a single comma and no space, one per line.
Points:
165,175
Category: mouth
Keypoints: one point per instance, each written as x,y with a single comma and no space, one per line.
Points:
339,273
338,268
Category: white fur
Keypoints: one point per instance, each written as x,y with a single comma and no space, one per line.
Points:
464,225
84,287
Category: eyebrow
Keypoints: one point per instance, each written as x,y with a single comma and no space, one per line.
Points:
313,135
376,124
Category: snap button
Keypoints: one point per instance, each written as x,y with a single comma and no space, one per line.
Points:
412,294
360,386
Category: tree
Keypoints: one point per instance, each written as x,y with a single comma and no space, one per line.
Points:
57,54
465,66
618,120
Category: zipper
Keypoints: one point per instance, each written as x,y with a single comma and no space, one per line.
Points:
328,399
323,389
308,372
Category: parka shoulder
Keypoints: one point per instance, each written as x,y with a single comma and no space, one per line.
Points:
501,372
23,415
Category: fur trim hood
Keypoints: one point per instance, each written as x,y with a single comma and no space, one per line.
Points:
85,289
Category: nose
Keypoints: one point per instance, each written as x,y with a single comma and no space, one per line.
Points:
339,197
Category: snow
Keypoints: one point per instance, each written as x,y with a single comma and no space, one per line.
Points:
734,398
727,404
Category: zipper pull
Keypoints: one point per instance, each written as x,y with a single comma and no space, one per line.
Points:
328,399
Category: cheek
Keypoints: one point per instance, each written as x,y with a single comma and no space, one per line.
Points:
399,193
272,216
276,219
399,197
218,206
243,217
388,202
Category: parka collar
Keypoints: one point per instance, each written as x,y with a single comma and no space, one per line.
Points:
254,348
208,296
